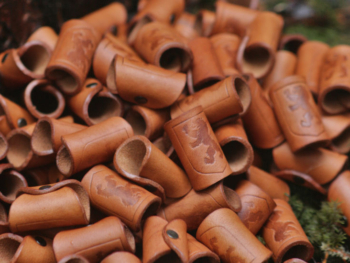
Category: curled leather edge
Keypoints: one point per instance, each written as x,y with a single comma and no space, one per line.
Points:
4,146
75,185
12,173
73,259
47,87
4,221
13,239
300,179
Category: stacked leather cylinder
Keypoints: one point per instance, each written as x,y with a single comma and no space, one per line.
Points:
140,141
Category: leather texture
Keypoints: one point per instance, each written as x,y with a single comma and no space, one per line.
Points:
140,161
204,23
73,259
121,256
185,25
284,66
71,59
4,146
198,149
107,18
235,145
46,35
338,191
311,57
257,205
198,252
93,145
292,42
257,54
13,116
206,68
334,89
4,224
107,49
321,164
94,103
47,133
43,175
223,232
297,114
338,129
260,121
232,18
43,99
273,186
144,84
51,206
109,235
197,205
161,45
226,98
10,183
226,46
19,66
284,235
112,194
20,154
147,122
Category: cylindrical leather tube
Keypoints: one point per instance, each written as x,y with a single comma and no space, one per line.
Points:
36,249
257,55
235,145
164,144
334,91
198,252
226,47
198,149
43,99
46,137
115,196
228,97
339,191
71,59
147,122
163,241
204,23
161,45
185,25
144,84
273,186
311,56
206,68
338,129
121,256
12,116
93,145
110,235
74,259
4,224
9,244
257,206
292,42
43,207
94,103
19,66
284,235
43,175
10,183
106,51
158,10
260,121
285,65
196,206
297,114
321,164
20,154
107,18
46,35
223,232
4,146
143,163
232,18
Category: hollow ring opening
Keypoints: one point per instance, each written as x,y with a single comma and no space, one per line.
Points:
332,101
41,138
174,59
64,80
44,100
256,60
137,122
8,248
35,59
236,154
10,184
19,149
64,162
243,92
102,108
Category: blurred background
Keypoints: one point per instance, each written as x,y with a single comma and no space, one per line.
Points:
324,20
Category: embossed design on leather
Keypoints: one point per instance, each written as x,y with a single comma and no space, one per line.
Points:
128,195
282,230
332,65
298,114
199,130
227,257
252,215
